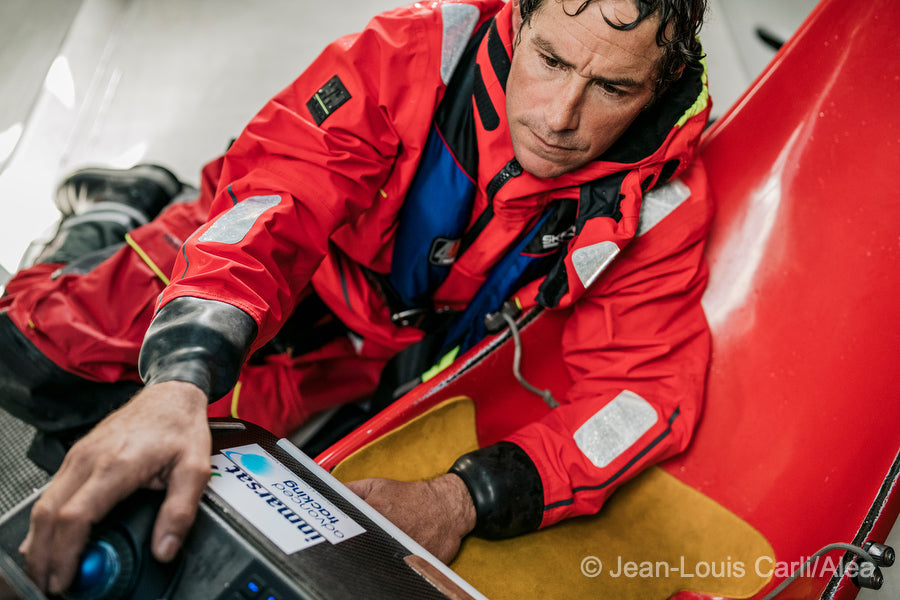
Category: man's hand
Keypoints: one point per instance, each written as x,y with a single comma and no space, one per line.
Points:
437,514
159,439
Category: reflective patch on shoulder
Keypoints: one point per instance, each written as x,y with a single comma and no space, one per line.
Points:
233,225
615,428
590,261
459,23
659,202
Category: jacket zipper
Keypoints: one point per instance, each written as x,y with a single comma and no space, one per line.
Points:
512,169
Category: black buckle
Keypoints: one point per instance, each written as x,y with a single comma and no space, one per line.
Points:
426,319
495,323
412,317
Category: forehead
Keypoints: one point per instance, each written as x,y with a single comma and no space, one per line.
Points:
590,44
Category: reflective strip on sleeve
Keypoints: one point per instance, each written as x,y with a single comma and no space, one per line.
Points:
459,23
659,202
615,428
590,261
233,225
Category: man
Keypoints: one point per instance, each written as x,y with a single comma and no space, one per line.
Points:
551,120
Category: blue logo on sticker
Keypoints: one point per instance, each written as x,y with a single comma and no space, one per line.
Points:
255,463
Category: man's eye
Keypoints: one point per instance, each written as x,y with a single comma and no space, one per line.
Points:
550,61
611,89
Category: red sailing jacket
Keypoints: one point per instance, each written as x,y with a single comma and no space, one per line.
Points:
310,192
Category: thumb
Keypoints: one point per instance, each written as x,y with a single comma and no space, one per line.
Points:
176,515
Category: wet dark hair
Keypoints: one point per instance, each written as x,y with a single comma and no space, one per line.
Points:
679,24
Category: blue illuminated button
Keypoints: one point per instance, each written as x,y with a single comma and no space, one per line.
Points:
254,588
98,569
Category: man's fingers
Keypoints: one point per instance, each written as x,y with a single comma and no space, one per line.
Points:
437,513
185,487
26,543
138,445
38,544
362,487
73,521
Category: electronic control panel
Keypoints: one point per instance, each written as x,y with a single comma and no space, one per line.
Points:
272,525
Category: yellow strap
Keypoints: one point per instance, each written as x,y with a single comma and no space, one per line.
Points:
234,400
445,362
146,259
448,358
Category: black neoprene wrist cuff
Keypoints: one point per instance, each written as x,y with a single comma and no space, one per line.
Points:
199,341
506,489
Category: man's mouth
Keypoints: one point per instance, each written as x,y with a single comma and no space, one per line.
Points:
551,146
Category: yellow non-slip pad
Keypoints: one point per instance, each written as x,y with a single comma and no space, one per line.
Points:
654,537
422,448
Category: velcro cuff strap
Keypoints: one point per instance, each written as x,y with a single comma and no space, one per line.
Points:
204,342
506,489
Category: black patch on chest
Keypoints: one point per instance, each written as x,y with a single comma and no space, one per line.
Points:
556,231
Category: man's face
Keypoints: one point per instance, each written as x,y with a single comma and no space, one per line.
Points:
576,83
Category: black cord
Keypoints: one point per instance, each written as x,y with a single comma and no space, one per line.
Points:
837,546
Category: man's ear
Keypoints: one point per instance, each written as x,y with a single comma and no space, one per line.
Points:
516,21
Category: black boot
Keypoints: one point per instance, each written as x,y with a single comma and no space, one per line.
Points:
99,206
146,188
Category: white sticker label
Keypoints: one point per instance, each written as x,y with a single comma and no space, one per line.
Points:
272,517
286,495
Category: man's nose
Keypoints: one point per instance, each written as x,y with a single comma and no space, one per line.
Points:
563,111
